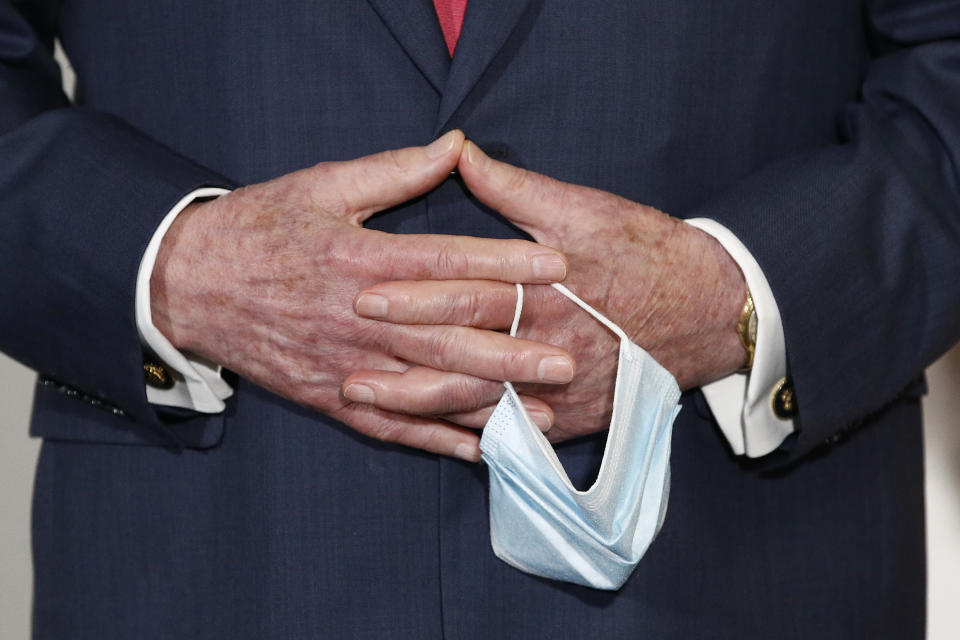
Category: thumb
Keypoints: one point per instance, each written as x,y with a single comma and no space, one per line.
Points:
534,202
364,186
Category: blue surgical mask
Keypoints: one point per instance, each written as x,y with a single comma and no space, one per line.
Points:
540,523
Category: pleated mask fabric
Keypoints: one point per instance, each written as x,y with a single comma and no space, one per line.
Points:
539,522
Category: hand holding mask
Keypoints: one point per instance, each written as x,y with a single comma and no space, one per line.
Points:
539,522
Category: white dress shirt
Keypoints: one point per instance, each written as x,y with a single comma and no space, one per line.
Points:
741,402
198,384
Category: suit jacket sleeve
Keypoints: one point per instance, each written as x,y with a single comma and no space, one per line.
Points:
861,241
82,194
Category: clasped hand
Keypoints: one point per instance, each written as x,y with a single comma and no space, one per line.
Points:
265,281
673,289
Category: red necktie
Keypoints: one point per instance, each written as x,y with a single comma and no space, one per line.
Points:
450,13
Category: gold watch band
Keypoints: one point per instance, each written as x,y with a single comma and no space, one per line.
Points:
747,330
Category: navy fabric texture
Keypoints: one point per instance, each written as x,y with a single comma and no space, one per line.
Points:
823,133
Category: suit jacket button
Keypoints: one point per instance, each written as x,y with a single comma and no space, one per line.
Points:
156,375
784,400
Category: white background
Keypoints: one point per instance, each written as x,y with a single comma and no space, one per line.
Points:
941,429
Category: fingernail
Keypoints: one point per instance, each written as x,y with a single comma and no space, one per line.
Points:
555,369
441,145
466,452
370,305
476,156
549,267
359,393
540,419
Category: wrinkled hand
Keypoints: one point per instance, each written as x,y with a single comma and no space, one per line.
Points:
671,287
263,281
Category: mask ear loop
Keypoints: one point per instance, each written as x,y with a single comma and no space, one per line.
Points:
580,303
517,311
545,446
596,314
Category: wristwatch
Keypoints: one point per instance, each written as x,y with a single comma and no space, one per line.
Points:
747,330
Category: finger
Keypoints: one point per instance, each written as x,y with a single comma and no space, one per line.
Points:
421,391
441,257
428,434
538,410
478,352
455,397
359,188
539,205
483,304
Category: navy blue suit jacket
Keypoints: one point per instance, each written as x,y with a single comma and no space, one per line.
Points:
824,133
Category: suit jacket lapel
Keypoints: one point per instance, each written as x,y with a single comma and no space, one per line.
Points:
486,28
415,26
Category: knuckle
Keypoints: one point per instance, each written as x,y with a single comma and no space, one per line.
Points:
470,309
467,394
514,364
509,262
322,172
567,195
386,431
443,348
337,200
429,440
448,260
394,160
517,180
327,188
517,255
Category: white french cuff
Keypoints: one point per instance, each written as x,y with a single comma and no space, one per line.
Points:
741,402
199,385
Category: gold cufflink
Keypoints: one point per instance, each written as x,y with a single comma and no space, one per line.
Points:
784,399
156,375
